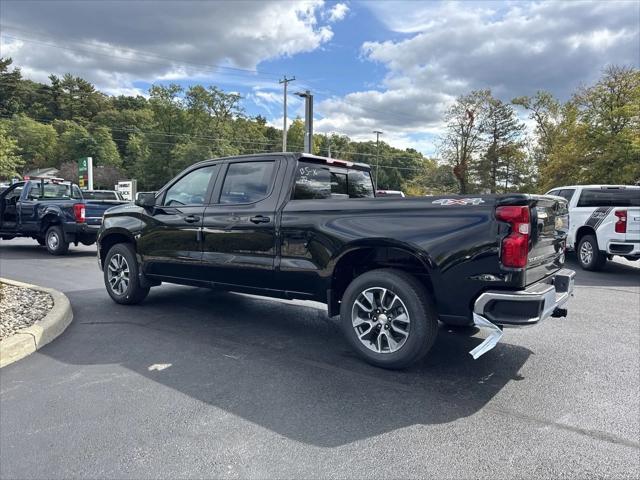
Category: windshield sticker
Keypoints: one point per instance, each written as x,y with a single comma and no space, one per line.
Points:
459,201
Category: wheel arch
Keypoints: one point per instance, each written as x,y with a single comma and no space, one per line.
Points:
583,231
112,237
358,258
50,218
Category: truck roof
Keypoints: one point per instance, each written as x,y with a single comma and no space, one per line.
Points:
596,186
292,156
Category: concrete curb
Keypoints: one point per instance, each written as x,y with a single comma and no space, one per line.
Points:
30,339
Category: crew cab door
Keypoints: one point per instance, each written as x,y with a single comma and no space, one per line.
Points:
170,242
239,227
9,201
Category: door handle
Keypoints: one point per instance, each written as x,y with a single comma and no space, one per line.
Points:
192,219
260,219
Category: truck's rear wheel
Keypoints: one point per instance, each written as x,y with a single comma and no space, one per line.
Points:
121,275
55,242
388,318
589,256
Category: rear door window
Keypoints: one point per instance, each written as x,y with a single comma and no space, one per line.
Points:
608,197
247,182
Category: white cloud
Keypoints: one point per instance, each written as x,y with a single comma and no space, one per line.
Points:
448,49
109,42
338,12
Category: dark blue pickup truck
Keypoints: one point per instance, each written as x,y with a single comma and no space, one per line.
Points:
54,213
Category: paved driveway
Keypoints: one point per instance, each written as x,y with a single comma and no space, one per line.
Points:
194,383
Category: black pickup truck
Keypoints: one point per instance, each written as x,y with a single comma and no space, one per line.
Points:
307,227
54,213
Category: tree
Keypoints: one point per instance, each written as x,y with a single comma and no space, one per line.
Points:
463,137
432,178
37,141
503,136
610,113
76,141
105,151
10,87
10,161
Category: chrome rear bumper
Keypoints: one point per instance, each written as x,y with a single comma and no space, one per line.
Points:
494,309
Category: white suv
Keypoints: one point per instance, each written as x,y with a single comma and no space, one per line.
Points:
604,220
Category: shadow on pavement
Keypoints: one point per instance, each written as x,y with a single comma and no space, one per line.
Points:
37,252
614,274
285,368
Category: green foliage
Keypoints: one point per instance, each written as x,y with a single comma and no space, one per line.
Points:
503,160
37,141
594,137
10,160
76,141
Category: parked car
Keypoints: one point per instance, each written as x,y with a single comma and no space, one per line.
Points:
52,212
102,195
301,226
389,193
604,220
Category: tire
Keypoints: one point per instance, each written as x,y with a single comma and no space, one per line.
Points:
54,241
409,295
589,256
121,260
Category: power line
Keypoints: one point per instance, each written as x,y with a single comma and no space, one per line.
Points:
217,139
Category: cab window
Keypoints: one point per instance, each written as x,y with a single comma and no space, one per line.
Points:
315,181
190,189
567,193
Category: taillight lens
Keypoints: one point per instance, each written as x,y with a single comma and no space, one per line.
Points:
515,246
621,224
79,212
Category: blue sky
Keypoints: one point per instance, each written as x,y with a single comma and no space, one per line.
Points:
394,66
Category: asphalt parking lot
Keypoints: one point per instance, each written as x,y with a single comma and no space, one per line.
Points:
195,383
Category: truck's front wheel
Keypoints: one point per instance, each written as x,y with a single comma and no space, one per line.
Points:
388,318
121,275
55,242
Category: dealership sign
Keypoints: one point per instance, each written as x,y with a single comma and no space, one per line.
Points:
127,188
85,173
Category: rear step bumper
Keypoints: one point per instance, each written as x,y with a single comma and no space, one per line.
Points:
529,306
494,309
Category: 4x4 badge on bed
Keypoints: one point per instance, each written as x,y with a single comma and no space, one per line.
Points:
459,201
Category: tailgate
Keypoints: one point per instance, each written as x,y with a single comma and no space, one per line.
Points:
633,224
94,209
549,227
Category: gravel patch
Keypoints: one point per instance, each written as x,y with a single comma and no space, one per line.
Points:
20,308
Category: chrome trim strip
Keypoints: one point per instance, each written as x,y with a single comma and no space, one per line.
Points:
495,334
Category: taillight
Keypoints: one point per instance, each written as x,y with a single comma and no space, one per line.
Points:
515,246
79,212
621,224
